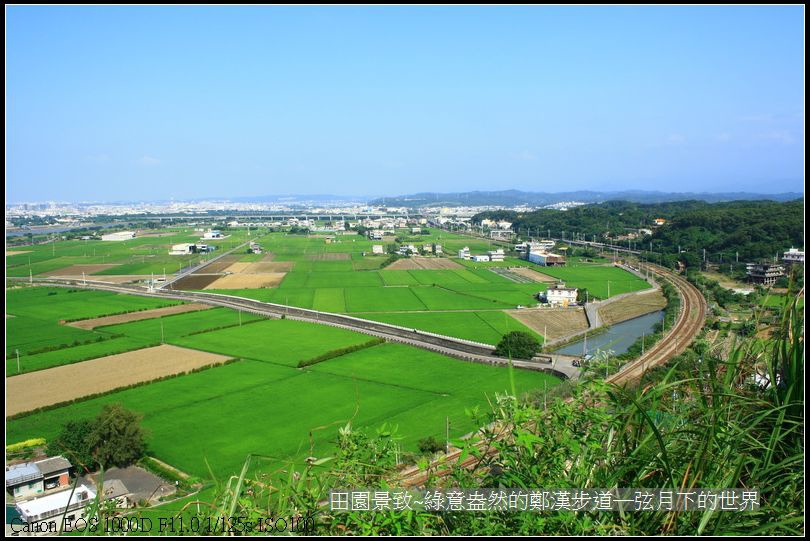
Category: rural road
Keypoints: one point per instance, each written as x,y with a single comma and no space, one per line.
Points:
690,320
466,350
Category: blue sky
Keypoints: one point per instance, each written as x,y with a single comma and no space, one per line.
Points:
106,103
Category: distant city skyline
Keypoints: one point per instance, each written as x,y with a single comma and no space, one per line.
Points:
145,103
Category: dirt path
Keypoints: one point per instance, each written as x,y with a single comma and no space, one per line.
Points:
89,324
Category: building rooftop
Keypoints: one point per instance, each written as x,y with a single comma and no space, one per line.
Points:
114,488
22,473
52,465
45,506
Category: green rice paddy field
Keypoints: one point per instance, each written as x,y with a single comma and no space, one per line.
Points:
263,404
141,255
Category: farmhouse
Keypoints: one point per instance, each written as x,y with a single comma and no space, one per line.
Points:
182,249
33,478
464,253
559,295
480,258
213,234
119,236
794,256
191,248
24,481
496,255
764,273
49,508
437,249
546,259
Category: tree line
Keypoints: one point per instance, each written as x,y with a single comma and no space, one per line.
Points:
736,231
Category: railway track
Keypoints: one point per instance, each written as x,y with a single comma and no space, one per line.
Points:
465,350
691,316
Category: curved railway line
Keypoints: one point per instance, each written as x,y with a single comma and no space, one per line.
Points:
689,322
691,316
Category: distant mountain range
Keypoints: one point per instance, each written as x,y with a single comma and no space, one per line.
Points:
511,198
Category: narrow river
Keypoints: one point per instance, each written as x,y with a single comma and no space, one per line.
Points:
618,338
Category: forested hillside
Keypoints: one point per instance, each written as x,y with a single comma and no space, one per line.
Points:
749,230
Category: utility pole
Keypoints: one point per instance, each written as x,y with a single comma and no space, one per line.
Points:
447,435
17,351
544,395
161,331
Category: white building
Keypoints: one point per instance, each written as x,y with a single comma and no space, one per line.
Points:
480,258
182,249
559,295
119,236
464,253
213,234
540,246
496,255
50,508
546,259
793,256
437,249
377,249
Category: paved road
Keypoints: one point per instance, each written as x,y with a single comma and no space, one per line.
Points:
559,365
691,317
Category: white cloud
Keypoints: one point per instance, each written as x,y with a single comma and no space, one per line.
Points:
780,136
148,161
525,156
97,158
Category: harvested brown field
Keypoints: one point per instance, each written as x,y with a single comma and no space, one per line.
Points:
632,306
532,274
425,263
260,267
77,270
238,267
220,264
556,322
329,257
269,266
54,385
247,281
89,324
195,281
17,252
